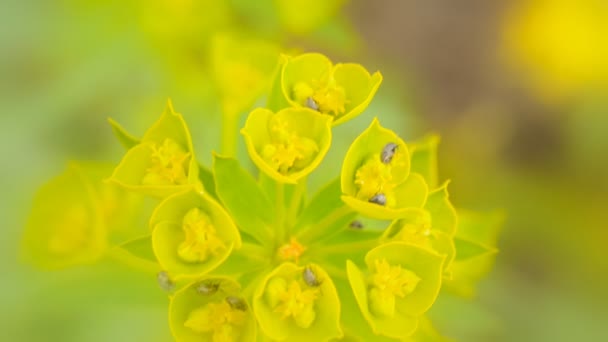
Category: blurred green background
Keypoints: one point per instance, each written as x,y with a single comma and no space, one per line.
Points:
518,91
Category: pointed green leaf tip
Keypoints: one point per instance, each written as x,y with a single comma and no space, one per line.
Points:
376,179
211,309
341,91
402,282
192,234
298,303
287,145
163,162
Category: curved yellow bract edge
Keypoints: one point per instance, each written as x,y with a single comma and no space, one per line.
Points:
258,120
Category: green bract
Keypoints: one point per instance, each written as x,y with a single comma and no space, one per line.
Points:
401,284
242,69
211,309
365,176
66,224
192,234
163,162
291,305
432,227
341,91
287,145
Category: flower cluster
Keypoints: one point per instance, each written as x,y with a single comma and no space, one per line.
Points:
247,258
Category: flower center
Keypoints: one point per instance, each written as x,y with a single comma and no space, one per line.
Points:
168,164
418,234
373,178
287,150
292,300
219,319
329,98
201,240
291,251
389,282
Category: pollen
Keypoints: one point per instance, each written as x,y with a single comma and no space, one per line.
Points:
168,164
375,177
293,300
288,151
201,240
291,251
329,97
387,283
218,319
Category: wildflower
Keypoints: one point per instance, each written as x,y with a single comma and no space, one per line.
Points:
287,145
341,91
219,316
163,161
192,234
289,308
379,189
401,284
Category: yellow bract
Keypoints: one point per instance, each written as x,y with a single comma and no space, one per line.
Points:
219,319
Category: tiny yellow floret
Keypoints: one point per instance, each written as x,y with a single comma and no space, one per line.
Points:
389,282
201,240
168,164
328,96
219,319
287,150
290,300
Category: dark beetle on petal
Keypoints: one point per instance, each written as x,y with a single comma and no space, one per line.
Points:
388,152
379,199
310,278
356,224
236,303
164,281
312,104
207,288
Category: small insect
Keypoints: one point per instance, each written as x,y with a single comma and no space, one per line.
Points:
379,199
236,303
312,104
164,281
310,278
356,224
207,288
388,152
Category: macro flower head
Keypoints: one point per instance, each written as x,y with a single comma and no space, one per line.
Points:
289,144
244,252
342,90
376,179
163,162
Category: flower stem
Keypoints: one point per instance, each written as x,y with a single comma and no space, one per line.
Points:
280,211
318,230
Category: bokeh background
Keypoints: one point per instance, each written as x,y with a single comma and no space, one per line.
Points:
517,89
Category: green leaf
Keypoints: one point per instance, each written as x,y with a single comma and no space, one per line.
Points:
125,138
207,178
244,199
325,202
140,248
467,249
